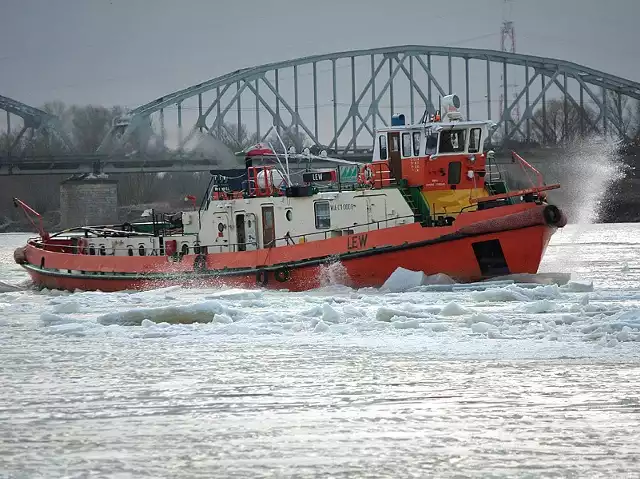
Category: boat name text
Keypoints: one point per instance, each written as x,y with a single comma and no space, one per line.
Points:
356,241
343,207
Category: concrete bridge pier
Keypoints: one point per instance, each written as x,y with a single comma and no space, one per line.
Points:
88,202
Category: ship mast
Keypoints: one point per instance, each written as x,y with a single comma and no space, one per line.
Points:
508,44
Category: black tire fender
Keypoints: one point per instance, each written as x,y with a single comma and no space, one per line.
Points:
200,263
552,215
282,275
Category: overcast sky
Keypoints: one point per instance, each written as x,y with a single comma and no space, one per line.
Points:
128,52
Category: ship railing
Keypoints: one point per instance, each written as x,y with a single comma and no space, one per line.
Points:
100,248
526,168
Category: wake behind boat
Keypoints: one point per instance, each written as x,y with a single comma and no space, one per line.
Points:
431,200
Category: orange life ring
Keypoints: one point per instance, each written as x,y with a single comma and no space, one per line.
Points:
365,176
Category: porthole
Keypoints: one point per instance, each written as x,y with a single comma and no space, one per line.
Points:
130,250
103,250
141,250
185,249
289,215
92,250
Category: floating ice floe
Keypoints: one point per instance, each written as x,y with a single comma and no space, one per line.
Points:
181,314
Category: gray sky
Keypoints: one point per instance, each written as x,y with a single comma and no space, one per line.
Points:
128,52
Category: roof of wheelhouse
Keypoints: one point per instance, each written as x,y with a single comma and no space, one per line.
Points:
451,124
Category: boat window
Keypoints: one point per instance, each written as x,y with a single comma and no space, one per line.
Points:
416,143
323,217
455,169
406,144
395,143
452,141
474,140
383,147
432,144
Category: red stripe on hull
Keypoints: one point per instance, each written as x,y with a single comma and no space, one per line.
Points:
523,250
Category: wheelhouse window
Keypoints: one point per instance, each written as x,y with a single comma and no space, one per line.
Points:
383,147
395,142
416,143
406,144
455,170
474,140
432,144
452,141
323,216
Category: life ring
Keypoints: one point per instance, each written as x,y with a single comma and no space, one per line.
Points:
200,263
365,176
282,275
262,277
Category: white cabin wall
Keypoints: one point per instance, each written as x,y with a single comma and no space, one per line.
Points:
350,211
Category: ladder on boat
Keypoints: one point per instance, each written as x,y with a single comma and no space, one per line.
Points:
413,196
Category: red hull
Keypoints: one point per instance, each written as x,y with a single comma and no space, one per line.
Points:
369,260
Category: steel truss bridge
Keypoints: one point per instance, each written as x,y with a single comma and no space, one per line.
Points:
334,102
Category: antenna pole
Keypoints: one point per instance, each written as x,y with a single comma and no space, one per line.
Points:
508,44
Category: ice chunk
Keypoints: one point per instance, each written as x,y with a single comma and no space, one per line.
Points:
402,280
185,314
321,327
502,294
482,327
479,318
67,307
222,318
542,306
453,309
329,315
579,286
71,329
406,323
386,314
439,278
50,319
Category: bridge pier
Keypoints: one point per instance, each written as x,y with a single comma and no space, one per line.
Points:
88,202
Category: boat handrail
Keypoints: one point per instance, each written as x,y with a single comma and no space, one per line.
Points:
36,241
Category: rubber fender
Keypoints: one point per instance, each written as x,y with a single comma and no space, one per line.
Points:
553,216
282,275
19,255
262,277
200,263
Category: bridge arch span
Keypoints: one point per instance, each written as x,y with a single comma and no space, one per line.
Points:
347,94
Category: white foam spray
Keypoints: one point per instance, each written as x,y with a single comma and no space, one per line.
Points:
588,168
592,165
333,273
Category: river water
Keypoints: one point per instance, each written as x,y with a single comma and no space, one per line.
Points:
499,380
